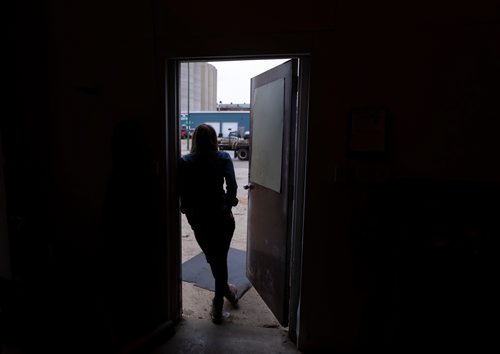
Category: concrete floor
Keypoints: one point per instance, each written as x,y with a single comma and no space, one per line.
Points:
201,336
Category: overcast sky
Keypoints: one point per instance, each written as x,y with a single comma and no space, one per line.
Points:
233,78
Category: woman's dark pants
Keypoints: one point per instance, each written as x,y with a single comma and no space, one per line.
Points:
214,234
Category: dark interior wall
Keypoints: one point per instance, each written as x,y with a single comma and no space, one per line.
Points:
84,145
4,236
86,223
396,233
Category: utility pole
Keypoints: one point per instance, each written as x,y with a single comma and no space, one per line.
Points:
188,122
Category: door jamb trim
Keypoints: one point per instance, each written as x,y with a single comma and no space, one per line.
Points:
299,159
298,202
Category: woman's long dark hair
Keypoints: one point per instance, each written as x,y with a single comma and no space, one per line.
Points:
204,139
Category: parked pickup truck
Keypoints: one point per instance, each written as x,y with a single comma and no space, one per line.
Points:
240,146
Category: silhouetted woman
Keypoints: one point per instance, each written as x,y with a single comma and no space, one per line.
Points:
208,207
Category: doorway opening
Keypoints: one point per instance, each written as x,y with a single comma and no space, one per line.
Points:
234,121
217,93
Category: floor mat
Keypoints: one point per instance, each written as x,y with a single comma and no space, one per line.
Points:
197,271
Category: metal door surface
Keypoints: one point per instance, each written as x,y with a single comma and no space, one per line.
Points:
273,102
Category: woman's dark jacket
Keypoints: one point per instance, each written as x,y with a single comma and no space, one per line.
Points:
202,177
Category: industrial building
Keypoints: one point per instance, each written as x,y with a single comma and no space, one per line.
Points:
202,88
233,106
223,122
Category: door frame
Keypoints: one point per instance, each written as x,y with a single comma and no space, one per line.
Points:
172,87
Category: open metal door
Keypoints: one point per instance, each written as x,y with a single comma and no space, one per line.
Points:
273,101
